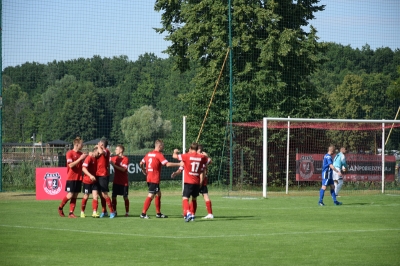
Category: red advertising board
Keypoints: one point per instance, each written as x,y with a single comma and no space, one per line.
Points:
50,183
361,167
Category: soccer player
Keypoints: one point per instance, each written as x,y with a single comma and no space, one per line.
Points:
103,177
74,177
90,185
327,180
153,161
340,164
203,188
120,183
193,164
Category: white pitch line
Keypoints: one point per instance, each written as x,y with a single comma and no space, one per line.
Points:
202,236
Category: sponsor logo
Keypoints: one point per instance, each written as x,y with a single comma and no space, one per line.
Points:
306,167
52,183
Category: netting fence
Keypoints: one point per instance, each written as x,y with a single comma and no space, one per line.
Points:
294,152
129,71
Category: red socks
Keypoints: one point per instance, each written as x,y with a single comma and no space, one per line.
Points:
63,202
185,204
114,203
83,206
72,204
126,205
146,205
108,201
193,206
158,204
95,205
103,204
208,206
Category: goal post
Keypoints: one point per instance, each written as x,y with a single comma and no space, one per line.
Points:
351,125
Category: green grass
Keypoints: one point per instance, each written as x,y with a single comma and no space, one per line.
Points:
279,230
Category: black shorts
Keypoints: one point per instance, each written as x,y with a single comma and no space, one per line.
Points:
103,183
203,190
88,188
190,190
153,187
120,190
73,186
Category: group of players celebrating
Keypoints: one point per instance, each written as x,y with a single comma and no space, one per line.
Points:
95,168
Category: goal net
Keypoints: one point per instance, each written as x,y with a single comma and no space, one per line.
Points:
285,155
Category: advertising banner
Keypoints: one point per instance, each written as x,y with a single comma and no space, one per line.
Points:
50,183
361,167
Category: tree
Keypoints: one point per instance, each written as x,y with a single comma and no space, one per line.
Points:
16,112
393,91
143,127
273,56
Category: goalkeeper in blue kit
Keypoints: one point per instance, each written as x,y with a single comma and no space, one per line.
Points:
327,177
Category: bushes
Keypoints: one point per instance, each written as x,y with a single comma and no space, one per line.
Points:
20,176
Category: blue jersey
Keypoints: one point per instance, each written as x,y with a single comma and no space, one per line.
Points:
326,170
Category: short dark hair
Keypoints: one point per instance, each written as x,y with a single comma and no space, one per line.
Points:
194,146
121,146
200,147
105,142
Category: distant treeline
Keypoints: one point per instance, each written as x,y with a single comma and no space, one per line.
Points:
134,102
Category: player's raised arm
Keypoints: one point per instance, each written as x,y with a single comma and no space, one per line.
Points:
175,154
169,164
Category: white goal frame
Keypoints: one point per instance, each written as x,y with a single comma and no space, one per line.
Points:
265,142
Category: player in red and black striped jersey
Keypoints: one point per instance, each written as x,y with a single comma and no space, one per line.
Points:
151,166
120,183
90,184
74,177
103,177
193,164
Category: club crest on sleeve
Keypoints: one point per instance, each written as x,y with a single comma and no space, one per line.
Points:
52,183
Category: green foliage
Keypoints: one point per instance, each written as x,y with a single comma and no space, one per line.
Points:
16,113
144,126
20,176
393,91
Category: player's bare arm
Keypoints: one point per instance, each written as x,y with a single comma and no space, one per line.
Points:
177,172
175,154
201,179
118,167
86,172
143,168
73,164
334,170
172,164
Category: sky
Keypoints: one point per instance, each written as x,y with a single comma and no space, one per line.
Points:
47,30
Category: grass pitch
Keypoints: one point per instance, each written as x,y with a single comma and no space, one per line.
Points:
281,230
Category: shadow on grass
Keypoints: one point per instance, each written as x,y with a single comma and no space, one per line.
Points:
225,218
24,195
358,203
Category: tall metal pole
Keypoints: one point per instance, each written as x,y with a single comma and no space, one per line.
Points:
183,147
1,96
230,96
